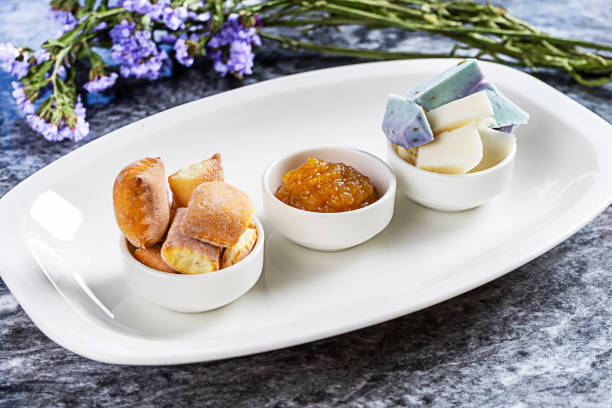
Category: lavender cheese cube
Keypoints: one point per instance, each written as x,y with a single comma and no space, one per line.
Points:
458,81
506,129
505,112
405,123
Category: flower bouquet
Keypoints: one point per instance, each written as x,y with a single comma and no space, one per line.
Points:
143,38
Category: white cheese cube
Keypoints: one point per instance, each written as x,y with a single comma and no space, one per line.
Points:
454,152
408,155
495,147
472,108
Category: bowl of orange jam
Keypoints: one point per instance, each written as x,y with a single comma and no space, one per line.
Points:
329,198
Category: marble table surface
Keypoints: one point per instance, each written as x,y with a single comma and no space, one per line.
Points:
538,336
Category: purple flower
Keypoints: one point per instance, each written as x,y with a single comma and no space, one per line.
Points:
239,58
101,83
61,71
136,52
162,10
182,54
156,11
138,6
22,100
164,37
9,62
204,17
53,133
100,26
174,18
65,18
81,128
48,130
41,55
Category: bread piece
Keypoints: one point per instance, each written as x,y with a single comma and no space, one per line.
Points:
252,223
151,257
188,255
140,199
238,252
218,214
183,182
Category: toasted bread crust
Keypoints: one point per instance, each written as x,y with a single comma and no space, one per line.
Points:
183,182
217,214
186,254
151,257
140,201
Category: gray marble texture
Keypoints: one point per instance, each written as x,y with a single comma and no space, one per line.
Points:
539,336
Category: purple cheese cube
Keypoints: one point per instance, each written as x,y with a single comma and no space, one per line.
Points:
456,82
506,129
405,123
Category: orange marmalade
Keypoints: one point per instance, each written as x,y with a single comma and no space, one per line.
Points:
322,186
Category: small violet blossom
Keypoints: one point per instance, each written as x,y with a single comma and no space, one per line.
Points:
22,100
173,17
101,83
182,52
48,130
136,52
9,61
239,59
65,18
51,132
41,55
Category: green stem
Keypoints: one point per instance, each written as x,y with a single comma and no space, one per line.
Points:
349,52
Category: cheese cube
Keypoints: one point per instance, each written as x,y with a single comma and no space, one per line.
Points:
473,108
405,123
454,152
456,82
408,155
505,112
506,129
495,147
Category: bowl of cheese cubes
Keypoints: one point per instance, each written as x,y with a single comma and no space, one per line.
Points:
450,140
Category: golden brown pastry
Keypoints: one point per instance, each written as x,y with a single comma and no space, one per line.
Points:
238,252
183,182
252,223
217,214
151,257
185,254
140,199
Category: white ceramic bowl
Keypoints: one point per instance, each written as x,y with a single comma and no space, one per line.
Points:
195,293
451,192
331,231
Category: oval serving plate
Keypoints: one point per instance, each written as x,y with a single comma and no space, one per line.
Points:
59,254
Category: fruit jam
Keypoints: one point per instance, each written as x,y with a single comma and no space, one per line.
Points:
322,186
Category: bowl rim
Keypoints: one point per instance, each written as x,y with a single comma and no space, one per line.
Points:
507,160
372,207
136,264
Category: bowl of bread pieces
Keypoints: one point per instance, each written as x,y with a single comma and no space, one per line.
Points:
200,252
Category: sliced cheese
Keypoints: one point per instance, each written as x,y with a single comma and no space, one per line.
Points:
453,152
505,112
495,147
405,123
455,82
408,155
453,115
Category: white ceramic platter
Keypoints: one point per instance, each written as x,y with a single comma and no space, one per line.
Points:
59,254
